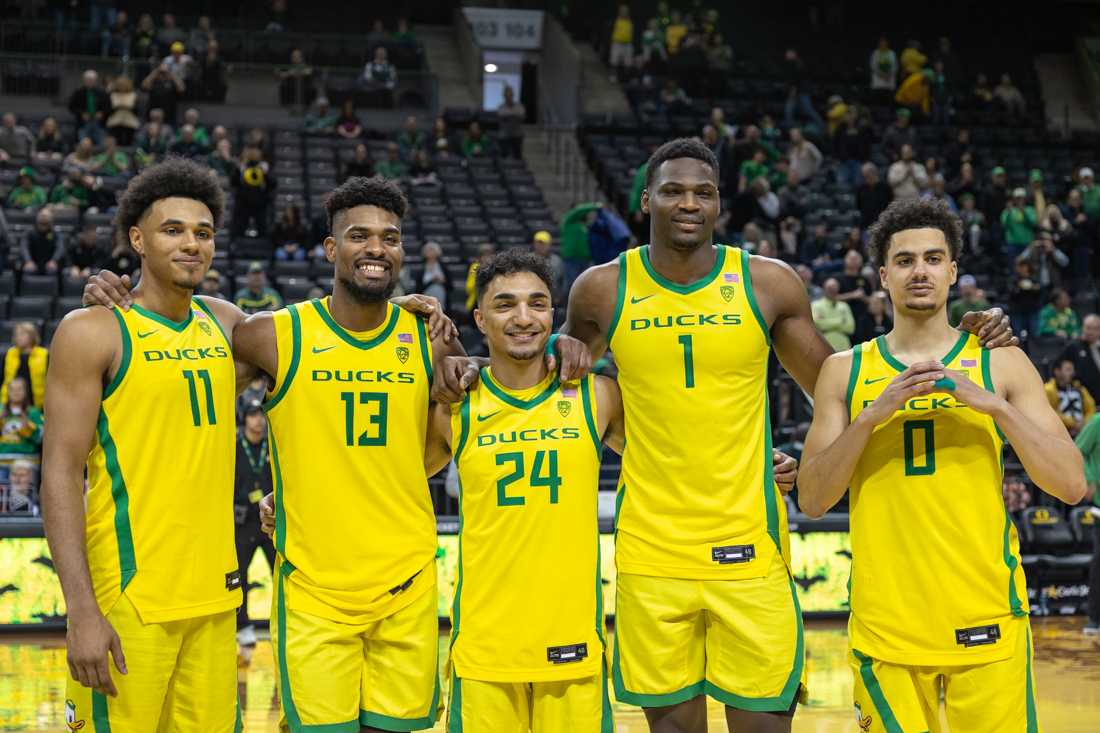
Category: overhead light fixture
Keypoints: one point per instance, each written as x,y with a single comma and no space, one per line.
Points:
490,68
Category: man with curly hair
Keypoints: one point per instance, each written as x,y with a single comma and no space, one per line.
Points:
938,594
145,398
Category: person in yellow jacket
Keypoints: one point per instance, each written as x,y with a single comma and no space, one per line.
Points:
484,254
1068,396
27,358
914,91
912,60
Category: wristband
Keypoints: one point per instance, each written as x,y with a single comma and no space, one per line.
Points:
550,344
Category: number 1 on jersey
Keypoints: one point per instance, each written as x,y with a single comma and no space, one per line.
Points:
689,362
196,416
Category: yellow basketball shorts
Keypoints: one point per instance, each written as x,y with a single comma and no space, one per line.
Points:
566,706
738,641
998,697
336,677
181,678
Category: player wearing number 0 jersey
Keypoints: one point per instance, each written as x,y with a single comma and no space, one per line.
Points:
527,640
914,422
148,566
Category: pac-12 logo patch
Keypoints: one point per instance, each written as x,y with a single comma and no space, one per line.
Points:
70,716
863,720
205,328
564,406
727,292
402,354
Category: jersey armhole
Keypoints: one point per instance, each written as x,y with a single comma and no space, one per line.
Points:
283,380
425,348
463,431
588,398
124,360
210,314
853,376
620,296
745,273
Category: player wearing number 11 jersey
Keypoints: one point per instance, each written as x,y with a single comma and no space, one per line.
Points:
914,422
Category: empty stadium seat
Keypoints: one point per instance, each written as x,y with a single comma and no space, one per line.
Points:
30,308
39,285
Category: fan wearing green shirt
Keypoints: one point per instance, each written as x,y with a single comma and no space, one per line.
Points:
574,240
753,168
112,161
1057,318
970,300
256,296
26,195
1019,221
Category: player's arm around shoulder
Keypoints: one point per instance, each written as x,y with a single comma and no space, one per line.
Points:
437,447
785,308
609,413
230,317
1038,436
255,343
592,306
820,483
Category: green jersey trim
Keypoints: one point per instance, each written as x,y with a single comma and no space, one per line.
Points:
853,376
586,400
464,435
177,326
127,562
620,298
346,335
751,295
295,357
719,261
874,689
206,309
500,393
898,366
124,361
425,349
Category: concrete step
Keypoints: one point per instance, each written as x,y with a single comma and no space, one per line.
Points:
559,169
1064,93
441,50
599,94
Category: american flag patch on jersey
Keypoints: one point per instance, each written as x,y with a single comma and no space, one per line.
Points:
731,277
405,338
568,391
968,362
200,314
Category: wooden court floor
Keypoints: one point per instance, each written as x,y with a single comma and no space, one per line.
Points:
33,670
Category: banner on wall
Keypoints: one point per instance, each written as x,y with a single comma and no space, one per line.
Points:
504,28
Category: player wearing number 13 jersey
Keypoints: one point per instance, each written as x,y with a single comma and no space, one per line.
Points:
914,423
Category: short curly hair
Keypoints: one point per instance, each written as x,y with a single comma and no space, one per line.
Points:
681,147
360,191
905,214
174,176
510,262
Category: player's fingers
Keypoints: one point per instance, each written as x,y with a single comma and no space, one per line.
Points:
101,677
81,675
128,299
117,655
73,672
469,377
1000,335
451,332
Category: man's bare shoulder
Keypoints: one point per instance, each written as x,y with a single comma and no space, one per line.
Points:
228,314
835,371
93,332
772,273
93,320
1007,364
598,280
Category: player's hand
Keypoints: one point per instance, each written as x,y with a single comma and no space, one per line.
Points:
915,381
991,326
973,395
573,357
785,470
440,326
453,377
90,637
108,289
267,515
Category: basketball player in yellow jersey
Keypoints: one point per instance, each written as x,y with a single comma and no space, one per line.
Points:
145,398
938,597
527,641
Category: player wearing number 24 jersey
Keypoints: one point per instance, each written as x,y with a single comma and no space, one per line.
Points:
914,423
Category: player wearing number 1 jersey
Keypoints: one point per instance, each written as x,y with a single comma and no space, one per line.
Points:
914,422
145,398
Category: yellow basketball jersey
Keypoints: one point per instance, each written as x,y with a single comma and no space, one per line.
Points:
348,417
160,475
936,576
528,603
696,497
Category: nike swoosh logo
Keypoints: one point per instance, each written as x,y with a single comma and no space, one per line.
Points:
321,351
634,300
147,333
872,381
481,418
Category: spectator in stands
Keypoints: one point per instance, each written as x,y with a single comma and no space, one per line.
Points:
872,196
434,278
940,95
938,191
484,254
804,156
798,99
361,165
875,322
277,17
673,99
377,35
289,235
49,146
152,142
574,240
964,183
212,284
1057,318
813,292
914,92
853,287
144,42
439,132
178,62
296,80
973,221
1019,222
971,299
852,145
653,44
719,55
111,161
86,256
187,146
403,34
42,248
982,93
210,80
81,158
1085,353
164,89
1068,397
392,166
124,260
20,496
884,67
959,151
900,133
201,36
836,109
716,142
379,74
1046,262
73,192
26,360
1088,442
256,296
751,169
912,59
90,106
622,42
675,30
116,37
123,122
1090,193
253,188
476,144
16,141
1010,97
200,135
321,119
833,317
511,115
542,243
412,139
26,194
907,177
169,32
348,125
422,172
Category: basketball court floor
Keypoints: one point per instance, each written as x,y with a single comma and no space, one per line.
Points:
33,671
